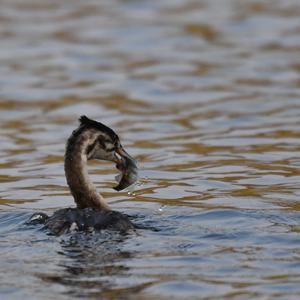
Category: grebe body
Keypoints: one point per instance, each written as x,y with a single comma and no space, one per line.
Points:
91,140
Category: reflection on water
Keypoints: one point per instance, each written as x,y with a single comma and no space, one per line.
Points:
205,94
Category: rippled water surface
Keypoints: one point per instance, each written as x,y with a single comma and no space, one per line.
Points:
206,96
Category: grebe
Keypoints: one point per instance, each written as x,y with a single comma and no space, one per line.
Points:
91,140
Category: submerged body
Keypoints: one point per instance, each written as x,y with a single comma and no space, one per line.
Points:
86,219
91,140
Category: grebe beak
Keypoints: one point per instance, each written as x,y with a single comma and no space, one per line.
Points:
127,165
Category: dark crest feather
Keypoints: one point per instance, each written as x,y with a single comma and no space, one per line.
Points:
84,120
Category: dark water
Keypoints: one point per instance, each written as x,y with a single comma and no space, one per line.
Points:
206,95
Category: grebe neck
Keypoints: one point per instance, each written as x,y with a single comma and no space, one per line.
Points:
81,187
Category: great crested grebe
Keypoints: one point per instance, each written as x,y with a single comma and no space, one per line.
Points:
91,140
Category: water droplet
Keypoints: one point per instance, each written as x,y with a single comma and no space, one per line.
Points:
131,193
161,208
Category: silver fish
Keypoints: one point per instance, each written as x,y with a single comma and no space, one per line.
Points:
129,170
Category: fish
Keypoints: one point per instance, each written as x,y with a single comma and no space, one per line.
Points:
129,171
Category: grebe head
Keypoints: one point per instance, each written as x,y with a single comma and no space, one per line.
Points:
104,144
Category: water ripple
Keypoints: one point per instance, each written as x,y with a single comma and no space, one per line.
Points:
205,95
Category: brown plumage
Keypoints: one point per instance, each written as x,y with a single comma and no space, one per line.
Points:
91,140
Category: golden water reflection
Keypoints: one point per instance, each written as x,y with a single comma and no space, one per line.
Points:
205,95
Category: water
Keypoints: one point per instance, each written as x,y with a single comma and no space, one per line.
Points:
205,95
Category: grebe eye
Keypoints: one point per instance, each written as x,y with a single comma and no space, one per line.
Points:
107,145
